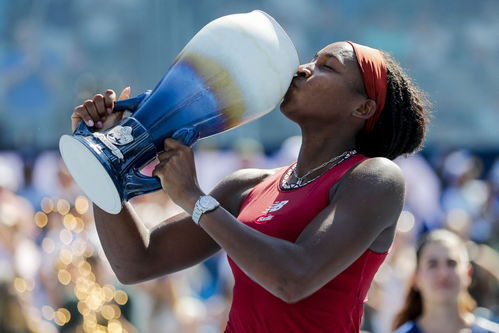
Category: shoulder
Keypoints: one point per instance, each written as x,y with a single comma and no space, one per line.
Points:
376,178
377,171
232,189
408,327
247,176
371,194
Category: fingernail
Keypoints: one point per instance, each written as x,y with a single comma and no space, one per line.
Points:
99,124
90,123
109,110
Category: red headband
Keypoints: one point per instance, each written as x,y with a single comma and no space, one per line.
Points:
373,69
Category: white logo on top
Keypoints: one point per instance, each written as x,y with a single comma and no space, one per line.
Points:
273,208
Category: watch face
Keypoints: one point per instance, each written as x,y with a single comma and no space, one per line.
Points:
207,202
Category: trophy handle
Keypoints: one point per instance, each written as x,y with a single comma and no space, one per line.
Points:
131,104
138,184
187,135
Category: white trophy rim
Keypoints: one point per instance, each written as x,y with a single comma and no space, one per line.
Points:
89,174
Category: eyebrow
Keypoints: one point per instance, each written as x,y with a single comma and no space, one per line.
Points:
331,55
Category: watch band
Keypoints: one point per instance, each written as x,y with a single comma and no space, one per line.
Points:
203,205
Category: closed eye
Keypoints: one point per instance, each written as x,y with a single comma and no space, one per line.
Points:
329,67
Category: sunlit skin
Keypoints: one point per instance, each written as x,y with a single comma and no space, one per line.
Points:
443,274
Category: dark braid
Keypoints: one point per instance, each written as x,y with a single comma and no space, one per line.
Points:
402,126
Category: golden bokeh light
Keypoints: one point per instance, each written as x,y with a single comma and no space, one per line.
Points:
109,291
20,285
69,222
41,219
107,312
83,308
65,256
80,225
121,297
81,205
65,313
63,206
96,298
64,277
62,316
117,311
114,326
98,305
47,205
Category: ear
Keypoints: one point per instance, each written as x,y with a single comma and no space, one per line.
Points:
366,110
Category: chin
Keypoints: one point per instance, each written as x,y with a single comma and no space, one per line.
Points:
445,296
287,108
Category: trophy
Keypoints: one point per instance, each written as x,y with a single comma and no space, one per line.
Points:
234,70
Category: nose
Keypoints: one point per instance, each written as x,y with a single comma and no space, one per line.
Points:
305,70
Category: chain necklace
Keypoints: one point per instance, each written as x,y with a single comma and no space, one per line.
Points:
285,185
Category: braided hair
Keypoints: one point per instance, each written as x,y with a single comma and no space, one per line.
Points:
402,126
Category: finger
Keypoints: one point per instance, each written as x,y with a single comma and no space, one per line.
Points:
166,155
157,170
170,144
92,111
81,113
125,94
100,106
109,98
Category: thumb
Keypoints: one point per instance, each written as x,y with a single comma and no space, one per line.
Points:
125,94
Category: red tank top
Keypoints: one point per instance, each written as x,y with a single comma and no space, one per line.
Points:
338,305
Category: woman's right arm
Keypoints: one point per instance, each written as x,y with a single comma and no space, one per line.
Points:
136,254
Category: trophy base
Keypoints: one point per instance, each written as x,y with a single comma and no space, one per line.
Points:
90,175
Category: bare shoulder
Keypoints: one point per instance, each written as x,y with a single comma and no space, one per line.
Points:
377,173
375,187
372,193
231,191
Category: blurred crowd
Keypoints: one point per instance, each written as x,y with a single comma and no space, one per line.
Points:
54,276
56,53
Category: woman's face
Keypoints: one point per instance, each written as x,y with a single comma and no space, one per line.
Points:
328,87
443,272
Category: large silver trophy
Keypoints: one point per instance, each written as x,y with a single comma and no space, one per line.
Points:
236,69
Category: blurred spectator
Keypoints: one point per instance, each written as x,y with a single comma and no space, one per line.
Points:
438,298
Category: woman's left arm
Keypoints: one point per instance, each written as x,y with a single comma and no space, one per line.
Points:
367,201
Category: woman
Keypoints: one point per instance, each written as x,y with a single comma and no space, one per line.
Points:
438,299
303,241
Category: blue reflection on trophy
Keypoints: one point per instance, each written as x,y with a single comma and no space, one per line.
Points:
236,69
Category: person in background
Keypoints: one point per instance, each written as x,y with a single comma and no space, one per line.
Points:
438,300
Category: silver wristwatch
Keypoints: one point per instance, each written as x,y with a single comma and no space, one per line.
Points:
204,204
